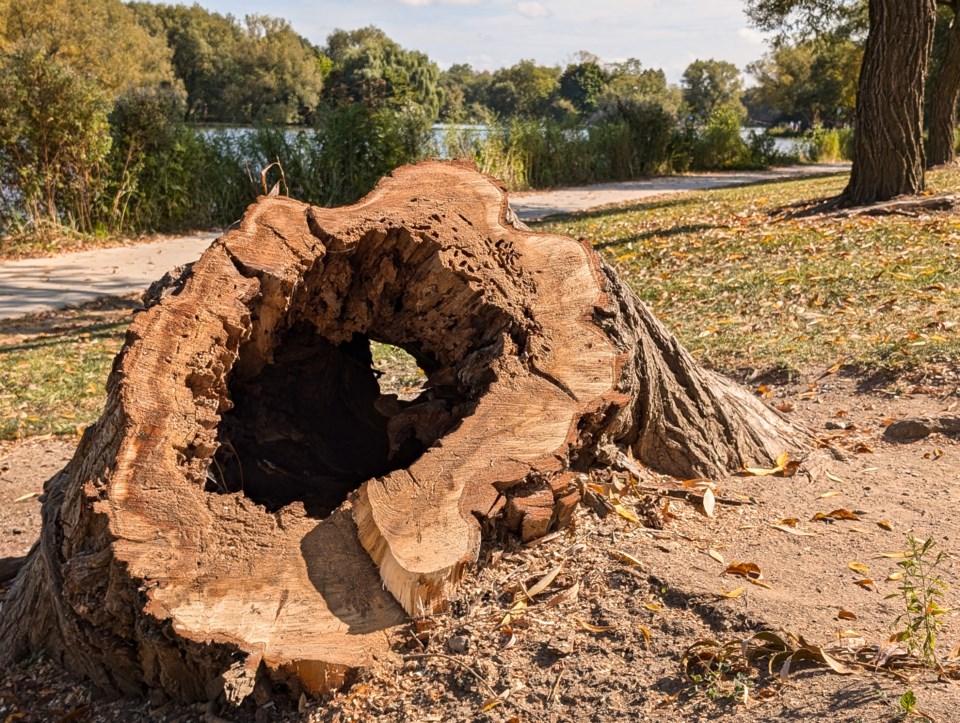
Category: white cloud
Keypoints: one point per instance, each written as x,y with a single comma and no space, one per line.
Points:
532,10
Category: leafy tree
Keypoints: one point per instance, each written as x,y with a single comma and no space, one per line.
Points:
890,89
709,84
256,71
98,38
582,84
281,72
53,136
524,89
629,82
464,94
808,81
371,68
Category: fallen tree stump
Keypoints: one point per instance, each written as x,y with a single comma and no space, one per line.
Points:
251,508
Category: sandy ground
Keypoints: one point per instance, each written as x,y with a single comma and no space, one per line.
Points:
32,285
612,650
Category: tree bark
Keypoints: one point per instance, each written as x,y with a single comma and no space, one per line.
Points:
888,157
251,508
942,133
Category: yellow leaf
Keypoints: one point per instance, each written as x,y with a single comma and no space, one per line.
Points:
859,567
625,513
625,557
894,576
490,704
789,521
846,615
829,493
590,628
653,607
760,583
884,525
645,631
735,593
895,555
864,583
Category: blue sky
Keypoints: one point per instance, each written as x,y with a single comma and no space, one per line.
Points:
490,34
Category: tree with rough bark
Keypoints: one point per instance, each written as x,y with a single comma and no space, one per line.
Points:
251,509
888,152
944,94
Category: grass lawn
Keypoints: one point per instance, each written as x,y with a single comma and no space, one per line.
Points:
745,290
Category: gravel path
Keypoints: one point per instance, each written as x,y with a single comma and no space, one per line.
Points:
33,285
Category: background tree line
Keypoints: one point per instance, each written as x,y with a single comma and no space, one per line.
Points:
101,106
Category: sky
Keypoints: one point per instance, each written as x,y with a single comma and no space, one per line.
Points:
491,34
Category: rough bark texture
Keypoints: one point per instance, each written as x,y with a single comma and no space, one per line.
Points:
942,124
888,157
250,507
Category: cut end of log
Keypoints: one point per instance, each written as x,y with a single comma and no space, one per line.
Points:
252,505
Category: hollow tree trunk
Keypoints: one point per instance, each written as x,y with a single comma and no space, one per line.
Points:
888,157
250,507
942,136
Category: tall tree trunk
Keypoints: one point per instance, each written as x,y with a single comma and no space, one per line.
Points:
942,138
251,506
888,158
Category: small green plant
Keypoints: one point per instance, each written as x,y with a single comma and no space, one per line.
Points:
920,589
906,704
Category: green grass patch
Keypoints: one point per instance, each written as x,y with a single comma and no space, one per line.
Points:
746,289
53,368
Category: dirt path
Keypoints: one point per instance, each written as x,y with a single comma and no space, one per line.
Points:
34,285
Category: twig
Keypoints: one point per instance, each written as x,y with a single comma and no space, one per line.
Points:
556,684
450,658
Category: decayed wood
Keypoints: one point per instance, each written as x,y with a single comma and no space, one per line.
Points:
251,507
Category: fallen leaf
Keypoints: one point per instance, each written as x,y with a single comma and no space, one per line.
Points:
866,583
789,521
625,513
829,493
838,514
760,583
894,555
749,570
590,628
490,704
28,496
709,502
625,557
884,525
717,556
894,576
544,582
564,596
653,607
793,531
645,631
732,594
836,366
846,615
859,567
834,478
